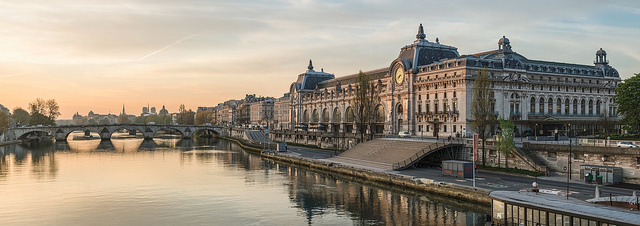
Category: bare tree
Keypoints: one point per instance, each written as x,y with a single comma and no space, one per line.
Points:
482,107
366,99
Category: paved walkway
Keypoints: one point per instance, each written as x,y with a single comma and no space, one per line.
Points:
484,179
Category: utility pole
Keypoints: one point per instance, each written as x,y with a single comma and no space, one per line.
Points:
569,160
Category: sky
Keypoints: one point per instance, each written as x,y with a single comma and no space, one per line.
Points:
96,55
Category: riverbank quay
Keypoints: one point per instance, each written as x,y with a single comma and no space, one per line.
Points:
405,182
4,143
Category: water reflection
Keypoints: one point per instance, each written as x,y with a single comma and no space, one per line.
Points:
216,176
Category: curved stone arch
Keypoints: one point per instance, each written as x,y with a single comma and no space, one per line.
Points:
82,129
127,127
349,116
22,135
206,129
305,116
379,112
153,132
315,117
324,118
337,115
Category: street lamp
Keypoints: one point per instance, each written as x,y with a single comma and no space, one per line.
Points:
536,132
450,123
569,159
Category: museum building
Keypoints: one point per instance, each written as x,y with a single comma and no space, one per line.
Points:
427,91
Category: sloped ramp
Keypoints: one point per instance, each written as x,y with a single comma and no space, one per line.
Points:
256,136
385,153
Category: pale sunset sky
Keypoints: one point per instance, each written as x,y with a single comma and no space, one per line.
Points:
98,55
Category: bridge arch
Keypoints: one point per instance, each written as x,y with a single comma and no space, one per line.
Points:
27,134
207,130
168,129
435,153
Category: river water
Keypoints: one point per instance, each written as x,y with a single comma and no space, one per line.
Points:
168,181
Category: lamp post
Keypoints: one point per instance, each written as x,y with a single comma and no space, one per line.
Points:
450,123
536,132
569,160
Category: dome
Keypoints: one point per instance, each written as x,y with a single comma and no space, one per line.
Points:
601,52
504,40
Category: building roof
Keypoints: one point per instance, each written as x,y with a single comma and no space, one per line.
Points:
559,204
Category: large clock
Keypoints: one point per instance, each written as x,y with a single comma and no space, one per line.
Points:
399,75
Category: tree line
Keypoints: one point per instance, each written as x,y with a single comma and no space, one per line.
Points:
41,112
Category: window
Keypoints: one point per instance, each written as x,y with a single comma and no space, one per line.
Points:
558,106
566,106
445,94
583,107
533,105
575,106
591,107
598,107
550,106
541,105
454,93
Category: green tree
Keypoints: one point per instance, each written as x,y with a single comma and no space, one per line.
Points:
104,121
203,117
364,102
40,119
627,97
4,121
20,116
123,119
482,103
504,143
140,120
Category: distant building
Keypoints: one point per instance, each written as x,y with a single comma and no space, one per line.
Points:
281,116
163,111
261,111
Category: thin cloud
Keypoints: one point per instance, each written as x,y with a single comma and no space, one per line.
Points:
166,47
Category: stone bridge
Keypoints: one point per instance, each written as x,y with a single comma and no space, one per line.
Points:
105,131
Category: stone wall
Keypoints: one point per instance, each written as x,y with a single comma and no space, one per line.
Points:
556,157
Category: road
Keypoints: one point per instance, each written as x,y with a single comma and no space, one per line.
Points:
491,180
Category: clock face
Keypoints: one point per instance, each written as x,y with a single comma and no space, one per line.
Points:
399,75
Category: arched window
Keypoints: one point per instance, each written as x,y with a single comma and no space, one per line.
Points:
305,117
325,115
315,117
293,116
337,117
575,106
350,117
559,106
533,105
541,105
379,113
590,107
427,104
598,107
583,107
550,106
566,106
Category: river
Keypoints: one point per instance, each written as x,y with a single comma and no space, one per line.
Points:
205,181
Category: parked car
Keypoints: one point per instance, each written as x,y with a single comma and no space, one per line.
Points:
404,134
624,144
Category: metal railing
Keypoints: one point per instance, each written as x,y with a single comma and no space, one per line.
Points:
422,153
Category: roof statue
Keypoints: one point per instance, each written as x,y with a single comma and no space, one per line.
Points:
310,67
420,35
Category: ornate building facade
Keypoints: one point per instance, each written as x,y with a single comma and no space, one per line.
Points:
427,91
